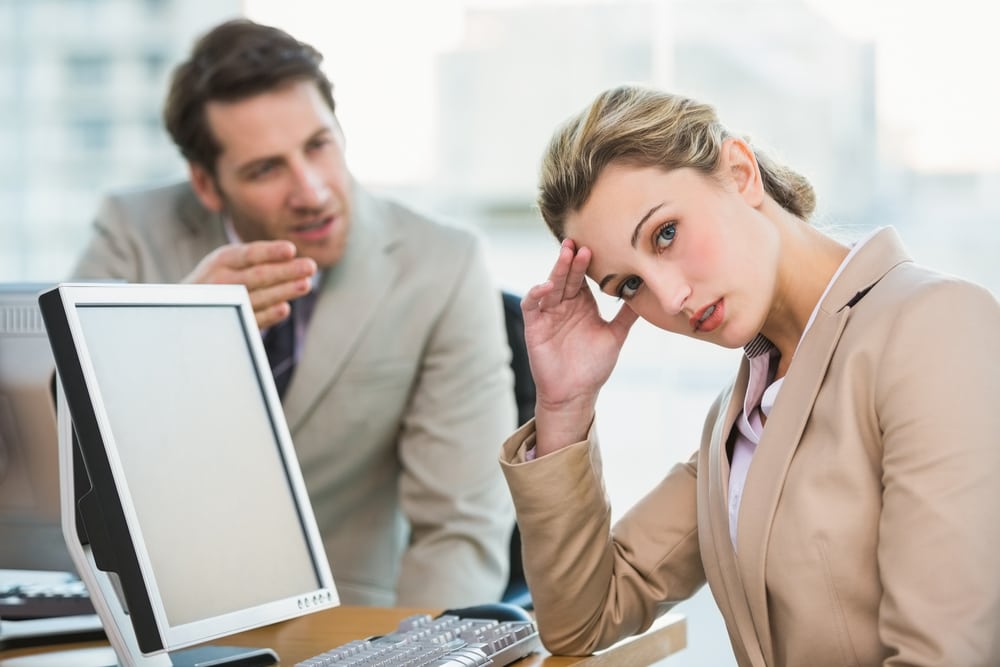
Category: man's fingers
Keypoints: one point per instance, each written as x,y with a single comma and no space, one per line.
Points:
262,298
271,315
275,273
257,264
245,255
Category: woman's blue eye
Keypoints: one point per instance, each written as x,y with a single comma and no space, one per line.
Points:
665,235
629,287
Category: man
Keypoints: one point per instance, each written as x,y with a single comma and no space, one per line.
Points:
402,388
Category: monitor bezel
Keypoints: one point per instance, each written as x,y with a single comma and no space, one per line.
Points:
111,497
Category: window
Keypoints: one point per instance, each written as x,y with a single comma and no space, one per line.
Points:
84,70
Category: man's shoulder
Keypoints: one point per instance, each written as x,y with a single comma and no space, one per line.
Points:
161,209
167,195
432,233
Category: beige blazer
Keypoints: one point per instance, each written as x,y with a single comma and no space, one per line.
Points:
401,394
868,530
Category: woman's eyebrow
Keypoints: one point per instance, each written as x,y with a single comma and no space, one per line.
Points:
645,218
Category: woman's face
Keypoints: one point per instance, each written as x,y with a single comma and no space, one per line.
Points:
687,252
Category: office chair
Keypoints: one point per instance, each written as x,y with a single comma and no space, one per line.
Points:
524,392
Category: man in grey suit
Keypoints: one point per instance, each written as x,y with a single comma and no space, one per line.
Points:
400,387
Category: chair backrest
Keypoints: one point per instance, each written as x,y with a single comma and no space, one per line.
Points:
524,391
524,384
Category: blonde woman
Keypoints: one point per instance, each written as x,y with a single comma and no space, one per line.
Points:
843,503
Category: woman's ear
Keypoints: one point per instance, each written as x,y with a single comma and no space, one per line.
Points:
204,186
740,164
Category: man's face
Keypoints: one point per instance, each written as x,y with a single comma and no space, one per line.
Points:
281,172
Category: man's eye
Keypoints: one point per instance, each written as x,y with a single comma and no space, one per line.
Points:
665,235
318,143
261,170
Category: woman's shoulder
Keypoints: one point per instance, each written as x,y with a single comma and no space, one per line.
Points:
910,285
915,311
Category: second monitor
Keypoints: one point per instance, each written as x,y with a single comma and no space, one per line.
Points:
30,536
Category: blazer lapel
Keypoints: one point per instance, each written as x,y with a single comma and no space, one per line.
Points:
791,412
352,292
772,458
715,537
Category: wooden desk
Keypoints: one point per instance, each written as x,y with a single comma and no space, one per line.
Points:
304,637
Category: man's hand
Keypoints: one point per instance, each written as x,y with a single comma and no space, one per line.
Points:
271,272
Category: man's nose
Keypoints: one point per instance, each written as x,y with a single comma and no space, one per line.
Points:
309,188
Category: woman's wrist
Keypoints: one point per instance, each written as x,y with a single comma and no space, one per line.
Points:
562,426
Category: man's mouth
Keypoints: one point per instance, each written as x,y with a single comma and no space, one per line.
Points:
319,224
315,230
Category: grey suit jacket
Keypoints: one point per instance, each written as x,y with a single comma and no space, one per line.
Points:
868,530
400,396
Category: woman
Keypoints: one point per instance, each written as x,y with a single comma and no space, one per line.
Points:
842,505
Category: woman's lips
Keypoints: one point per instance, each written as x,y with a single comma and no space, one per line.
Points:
708,318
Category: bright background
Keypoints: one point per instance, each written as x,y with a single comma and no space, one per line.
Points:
887,105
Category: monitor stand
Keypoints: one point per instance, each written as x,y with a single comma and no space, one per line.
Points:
101,584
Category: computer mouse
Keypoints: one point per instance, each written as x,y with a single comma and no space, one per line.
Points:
497,611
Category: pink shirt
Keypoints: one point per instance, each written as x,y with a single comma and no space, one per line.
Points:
762,391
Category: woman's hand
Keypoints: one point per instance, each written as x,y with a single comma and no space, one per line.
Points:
572,349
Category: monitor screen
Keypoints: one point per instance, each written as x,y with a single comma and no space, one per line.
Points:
30,534
197,499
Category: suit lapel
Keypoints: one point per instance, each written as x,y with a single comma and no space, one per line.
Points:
716,538
351,294
791,413
773,456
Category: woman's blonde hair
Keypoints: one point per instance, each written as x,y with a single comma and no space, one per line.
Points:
643,127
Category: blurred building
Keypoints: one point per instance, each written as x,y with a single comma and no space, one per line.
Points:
774,70
82,83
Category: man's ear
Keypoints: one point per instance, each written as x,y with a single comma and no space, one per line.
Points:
204,186
740,164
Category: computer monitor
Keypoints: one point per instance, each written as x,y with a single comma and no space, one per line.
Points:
30,533
178,464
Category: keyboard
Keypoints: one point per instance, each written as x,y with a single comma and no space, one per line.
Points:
28,595
446,641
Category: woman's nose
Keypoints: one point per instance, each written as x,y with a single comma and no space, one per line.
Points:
672,292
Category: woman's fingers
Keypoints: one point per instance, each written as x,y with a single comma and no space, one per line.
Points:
623,321
558,275
568,275
533,296
576,278
567,278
